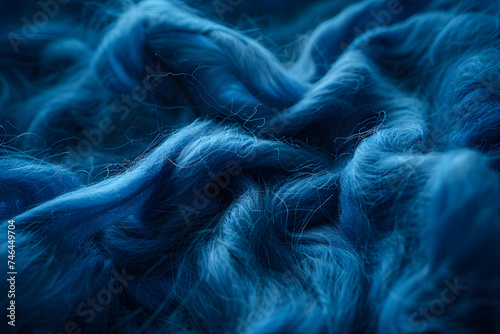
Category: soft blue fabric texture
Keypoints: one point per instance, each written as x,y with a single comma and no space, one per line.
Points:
257,167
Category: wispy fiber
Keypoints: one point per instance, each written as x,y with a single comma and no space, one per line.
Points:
171,170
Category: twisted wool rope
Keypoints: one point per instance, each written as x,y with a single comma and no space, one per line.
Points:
354,191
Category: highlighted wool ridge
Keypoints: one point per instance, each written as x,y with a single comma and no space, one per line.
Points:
170,172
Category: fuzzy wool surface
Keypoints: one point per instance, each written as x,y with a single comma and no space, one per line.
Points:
239,166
